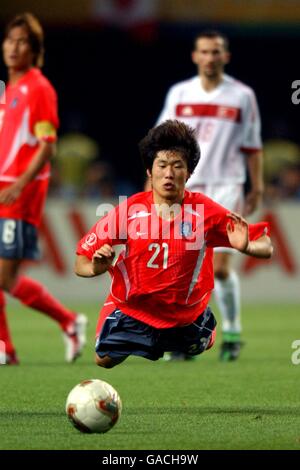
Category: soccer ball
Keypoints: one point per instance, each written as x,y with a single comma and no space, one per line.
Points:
93,406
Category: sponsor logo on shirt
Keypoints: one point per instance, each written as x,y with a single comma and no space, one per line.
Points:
139,214
24,89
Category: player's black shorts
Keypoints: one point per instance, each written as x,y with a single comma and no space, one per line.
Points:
18,240
122,335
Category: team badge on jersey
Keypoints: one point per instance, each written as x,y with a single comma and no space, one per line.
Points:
90,240
186,229
14,103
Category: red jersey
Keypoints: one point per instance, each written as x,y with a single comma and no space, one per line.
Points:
164,276
28,117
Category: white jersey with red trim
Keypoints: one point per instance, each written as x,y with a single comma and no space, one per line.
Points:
227,125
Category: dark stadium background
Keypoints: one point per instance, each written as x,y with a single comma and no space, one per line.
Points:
112,83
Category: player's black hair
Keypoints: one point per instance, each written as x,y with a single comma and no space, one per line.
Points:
35,34
170,135
211,34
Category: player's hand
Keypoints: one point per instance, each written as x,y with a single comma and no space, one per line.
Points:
238,232
252,202
10,194
102,259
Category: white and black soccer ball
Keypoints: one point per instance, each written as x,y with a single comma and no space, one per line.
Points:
93,406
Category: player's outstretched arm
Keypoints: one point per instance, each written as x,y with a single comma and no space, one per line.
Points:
238,235
100,263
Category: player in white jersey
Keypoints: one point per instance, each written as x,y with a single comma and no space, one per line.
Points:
225,116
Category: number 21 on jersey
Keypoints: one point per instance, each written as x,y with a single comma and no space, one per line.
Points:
156,247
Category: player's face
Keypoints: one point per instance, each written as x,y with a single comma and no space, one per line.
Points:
17,51
210,56
168,177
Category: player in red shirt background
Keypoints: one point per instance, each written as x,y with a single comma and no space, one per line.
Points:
28,124
163,279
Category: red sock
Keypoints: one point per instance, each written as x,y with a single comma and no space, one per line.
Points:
36,296
4,331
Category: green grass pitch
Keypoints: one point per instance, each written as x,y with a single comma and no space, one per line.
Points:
253,403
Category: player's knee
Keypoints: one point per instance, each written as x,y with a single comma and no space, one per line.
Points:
106,361
221,273
2,282
6,283
222,265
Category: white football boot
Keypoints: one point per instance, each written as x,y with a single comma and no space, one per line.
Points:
75,338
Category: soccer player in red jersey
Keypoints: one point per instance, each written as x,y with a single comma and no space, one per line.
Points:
162,280
28,123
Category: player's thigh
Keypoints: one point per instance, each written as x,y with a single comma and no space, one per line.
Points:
8,273
192,339
230,196
106,361
222,264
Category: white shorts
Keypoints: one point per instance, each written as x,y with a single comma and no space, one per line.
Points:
230,196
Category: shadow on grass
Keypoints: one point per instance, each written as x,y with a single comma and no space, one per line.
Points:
11,414
257,412
50,364
131,362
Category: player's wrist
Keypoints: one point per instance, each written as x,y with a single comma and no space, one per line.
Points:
20,184
249,249
258,190
99,268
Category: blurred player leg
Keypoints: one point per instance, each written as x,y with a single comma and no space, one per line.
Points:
227,295
10,354
35,295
